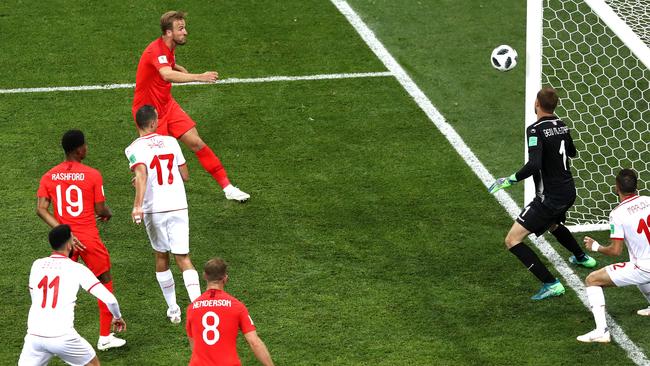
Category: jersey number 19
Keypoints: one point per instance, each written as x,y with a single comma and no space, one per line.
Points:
73,207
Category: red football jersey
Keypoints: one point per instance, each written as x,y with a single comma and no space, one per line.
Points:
213,322
74,188
150,87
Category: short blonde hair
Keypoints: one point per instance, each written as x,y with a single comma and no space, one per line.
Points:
167,20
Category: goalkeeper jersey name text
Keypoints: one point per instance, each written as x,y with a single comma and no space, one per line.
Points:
210,303
552,131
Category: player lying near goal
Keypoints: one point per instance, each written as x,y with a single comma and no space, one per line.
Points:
630,224
549,148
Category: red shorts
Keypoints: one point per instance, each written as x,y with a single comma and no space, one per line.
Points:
95,256
175,121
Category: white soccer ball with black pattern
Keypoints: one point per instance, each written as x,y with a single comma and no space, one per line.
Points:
504,58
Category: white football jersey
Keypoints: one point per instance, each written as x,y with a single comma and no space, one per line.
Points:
162,156
53,284
630,221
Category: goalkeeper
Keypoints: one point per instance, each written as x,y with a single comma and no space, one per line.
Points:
549,148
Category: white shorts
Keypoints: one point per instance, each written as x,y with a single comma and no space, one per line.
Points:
169,231
71,348
627,274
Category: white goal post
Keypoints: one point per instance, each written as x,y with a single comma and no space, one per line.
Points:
596,54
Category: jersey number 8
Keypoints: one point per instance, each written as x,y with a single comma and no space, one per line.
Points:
210,331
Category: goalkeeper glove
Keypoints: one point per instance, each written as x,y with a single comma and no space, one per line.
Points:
502,183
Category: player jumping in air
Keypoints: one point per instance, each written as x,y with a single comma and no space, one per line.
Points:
159,167
76,193
53,284
630,224
549,148
157,70
214,321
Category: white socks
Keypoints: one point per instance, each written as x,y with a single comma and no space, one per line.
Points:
166,282
191,279
645,290
597,302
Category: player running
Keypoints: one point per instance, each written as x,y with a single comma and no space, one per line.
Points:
630,224
157,70
214,320
549,148
76,193
159,167
53,284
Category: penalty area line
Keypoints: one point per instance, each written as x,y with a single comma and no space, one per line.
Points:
456,141
267,79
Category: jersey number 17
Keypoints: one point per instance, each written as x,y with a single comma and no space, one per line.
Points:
155,164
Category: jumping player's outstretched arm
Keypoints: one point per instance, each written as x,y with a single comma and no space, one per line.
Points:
180,68
174,76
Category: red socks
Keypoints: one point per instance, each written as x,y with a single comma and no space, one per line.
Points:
105,316
212,165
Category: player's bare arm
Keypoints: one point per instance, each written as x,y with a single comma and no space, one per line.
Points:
43,211
180,68
185,173
140,183
174,76
259,348
614,249
102,211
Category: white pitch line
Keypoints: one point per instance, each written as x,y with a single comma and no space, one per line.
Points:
633,351
224,81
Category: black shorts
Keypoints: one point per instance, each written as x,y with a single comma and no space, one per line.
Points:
538,216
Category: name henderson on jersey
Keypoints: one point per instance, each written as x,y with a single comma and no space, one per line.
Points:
207,303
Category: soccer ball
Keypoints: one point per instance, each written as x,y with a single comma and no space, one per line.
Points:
504,58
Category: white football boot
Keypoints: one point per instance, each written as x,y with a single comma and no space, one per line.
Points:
235,194
644,312
174,314
595,336
110,341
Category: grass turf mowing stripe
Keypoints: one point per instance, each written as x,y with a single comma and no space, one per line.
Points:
224,81
633,351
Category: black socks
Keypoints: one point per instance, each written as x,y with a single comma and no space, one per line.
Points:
564,237
532,262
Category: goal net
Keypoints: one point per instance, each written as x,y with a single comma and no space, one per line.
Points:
596,54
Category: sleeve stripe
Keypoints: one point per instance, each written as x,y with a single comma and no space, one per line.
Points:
136,164
91,287
617,238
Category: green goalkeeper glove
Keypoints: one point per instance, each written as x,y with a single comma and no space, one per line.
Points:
502,183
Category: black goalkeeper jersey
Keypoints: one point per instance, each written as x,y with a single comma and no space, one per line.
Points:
549,148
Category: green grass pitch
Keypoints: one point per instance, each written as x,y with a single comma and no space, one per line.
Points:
367,239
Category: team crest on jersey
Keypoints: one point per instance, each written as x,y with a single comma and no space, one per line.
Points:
162,59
